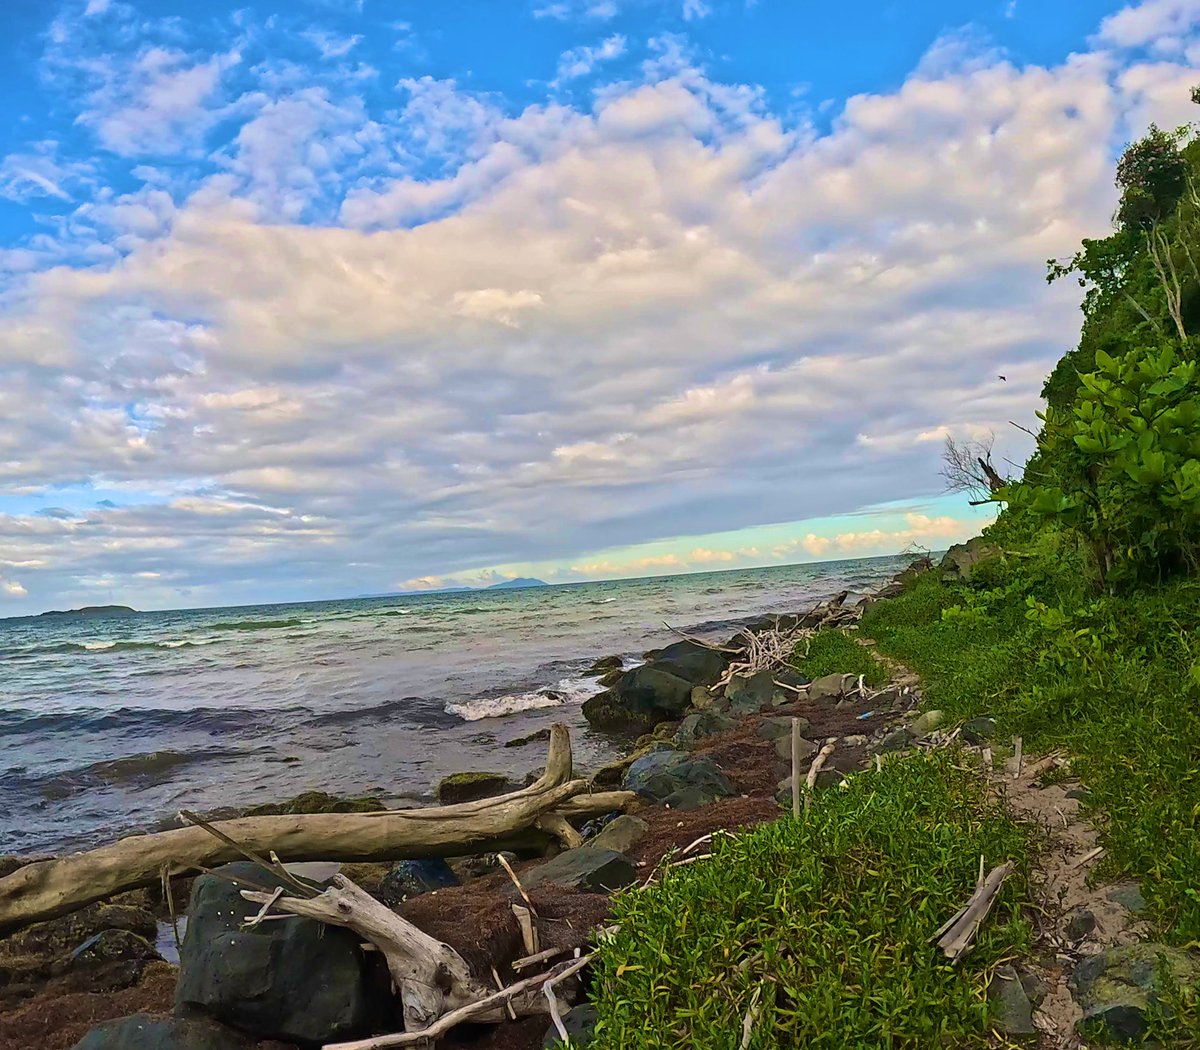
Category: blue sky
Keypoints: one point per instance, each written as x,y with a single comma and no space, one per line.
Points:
343,295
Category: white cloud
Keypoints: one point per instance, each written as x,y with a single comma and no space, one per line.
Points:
41,172
12,589
1159,23
330,45
581,61
569,10
696,9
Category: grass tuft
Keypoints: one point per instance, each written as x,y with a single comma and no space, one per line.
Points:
836,652
830,916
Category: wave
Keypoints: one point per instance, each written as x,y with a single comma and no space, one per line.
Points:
255,625
63,648
92,720
567,691
601,601
416,710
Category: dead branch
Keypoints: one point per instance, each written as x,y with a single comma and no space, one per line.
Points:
957,936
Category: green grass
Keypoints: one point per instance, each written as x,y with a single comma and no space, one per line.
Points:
1114,680
836,652
830,916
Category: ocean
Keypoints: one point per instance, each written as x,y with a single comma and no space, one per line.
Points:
110,726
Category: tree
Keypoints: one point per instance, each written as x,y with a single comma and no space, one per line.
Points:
967,467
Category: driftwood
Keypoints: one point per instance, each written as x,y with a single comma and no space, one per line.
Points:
956,936
46,889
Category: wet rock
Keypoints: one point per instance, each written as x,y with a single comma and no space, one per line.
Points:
961,561
146,1032
774,728
521,741
979,730
468,787
1009,1005
593,869
1121,988
621,834
299,981
924,724
612,773
1129,896
317,802
697,726
832,688
606,663
642,698
411,878
100,948
580,1023
610,678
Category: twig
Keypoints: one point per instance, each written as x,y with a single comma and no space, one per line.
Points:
548,990
699,842
303,888
814,770
169,897
512,1014
750,1018
700,641
449,1020
537,957
268,904
1017,742
795,767
529,931
515,881
1090,855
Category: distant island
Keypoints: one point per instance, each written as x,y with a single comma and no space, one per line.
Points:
91,610
519,581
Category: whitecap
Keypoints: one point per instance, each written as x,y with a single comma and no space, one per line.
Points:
570,690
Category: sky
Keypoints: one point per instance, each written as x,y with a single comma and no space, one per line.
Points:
311,299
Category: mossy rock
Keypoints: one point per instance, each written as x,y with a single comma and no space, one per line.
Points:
317,802
468,787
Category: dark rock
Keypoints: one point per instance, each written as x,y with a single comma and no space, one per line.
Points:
411,878
606,663
621,834
774,728
1079,795
831,688
696,727
963,559
1129,896
610,678
783,748
468,787
702,697
1080,924
1036,988
317,802
692,662
690,797
299,981
979,730
484,864
1120,989
521,741
146,1032
611,774
701,773
1010,1008
593,869
750,693
100,948
648,765
896,740
640,700
580,1023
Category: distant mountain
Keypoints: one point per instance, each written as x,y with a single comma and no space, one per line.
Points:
520,581
88,611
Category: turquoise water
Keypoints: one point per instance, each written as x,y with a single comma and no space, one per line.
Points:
113,725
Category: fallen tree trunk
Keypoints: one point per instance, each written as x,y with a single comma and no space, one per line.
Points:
46,889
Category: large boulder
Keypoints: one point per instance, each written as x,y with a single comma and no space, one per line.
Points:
621,834
1121,989
592,869
642,698
692,662
961,560
661,783
469,787
299,981
146,1032
639,772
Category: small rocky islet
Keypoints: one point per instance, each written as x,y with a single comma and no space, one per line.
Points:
708,750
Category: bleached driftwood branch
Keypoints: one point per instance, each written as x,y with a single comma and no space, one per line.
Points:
957,935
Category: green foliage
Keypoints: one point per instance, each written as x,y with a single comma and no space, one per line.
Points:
1128,456
1152,175
836,652
1112,679
830,916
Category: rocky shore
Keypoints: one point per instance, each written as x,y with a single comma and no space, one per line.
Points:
710,748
